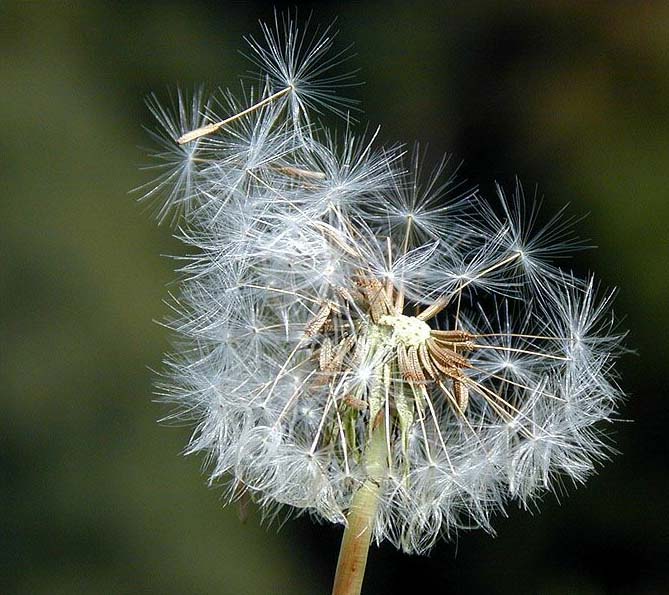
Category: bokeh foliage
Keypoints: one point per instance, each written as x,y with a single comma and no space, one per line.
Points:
95,498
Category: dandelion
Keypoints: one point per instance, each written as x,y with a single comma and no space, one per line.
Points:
359,340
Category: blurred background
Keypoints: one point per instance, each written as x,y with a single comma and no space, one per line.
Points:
572,97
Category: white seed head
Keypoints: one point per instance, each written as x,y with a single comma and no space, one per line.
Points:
332,288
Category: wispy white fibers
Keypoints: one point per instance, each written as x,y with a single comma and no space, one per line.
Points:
332,285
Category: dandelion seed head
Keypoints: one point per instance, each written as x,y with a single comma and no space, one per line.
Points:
333,291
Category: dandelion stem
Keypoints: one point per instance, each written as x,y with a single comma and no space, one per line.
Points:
360,521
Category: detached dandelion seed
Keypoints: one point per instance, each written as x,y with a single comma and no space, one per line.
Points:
360,341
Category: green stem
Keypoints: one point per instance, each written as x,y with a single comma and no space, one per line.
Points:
360,518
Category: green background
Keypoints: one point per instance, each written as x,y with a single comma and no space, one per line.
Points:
95,497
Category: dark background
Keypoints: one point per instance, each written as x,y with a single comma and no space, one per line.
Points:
572,97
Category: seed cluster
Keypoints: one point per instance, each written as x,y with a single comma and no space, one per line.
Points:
409,352
336,294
